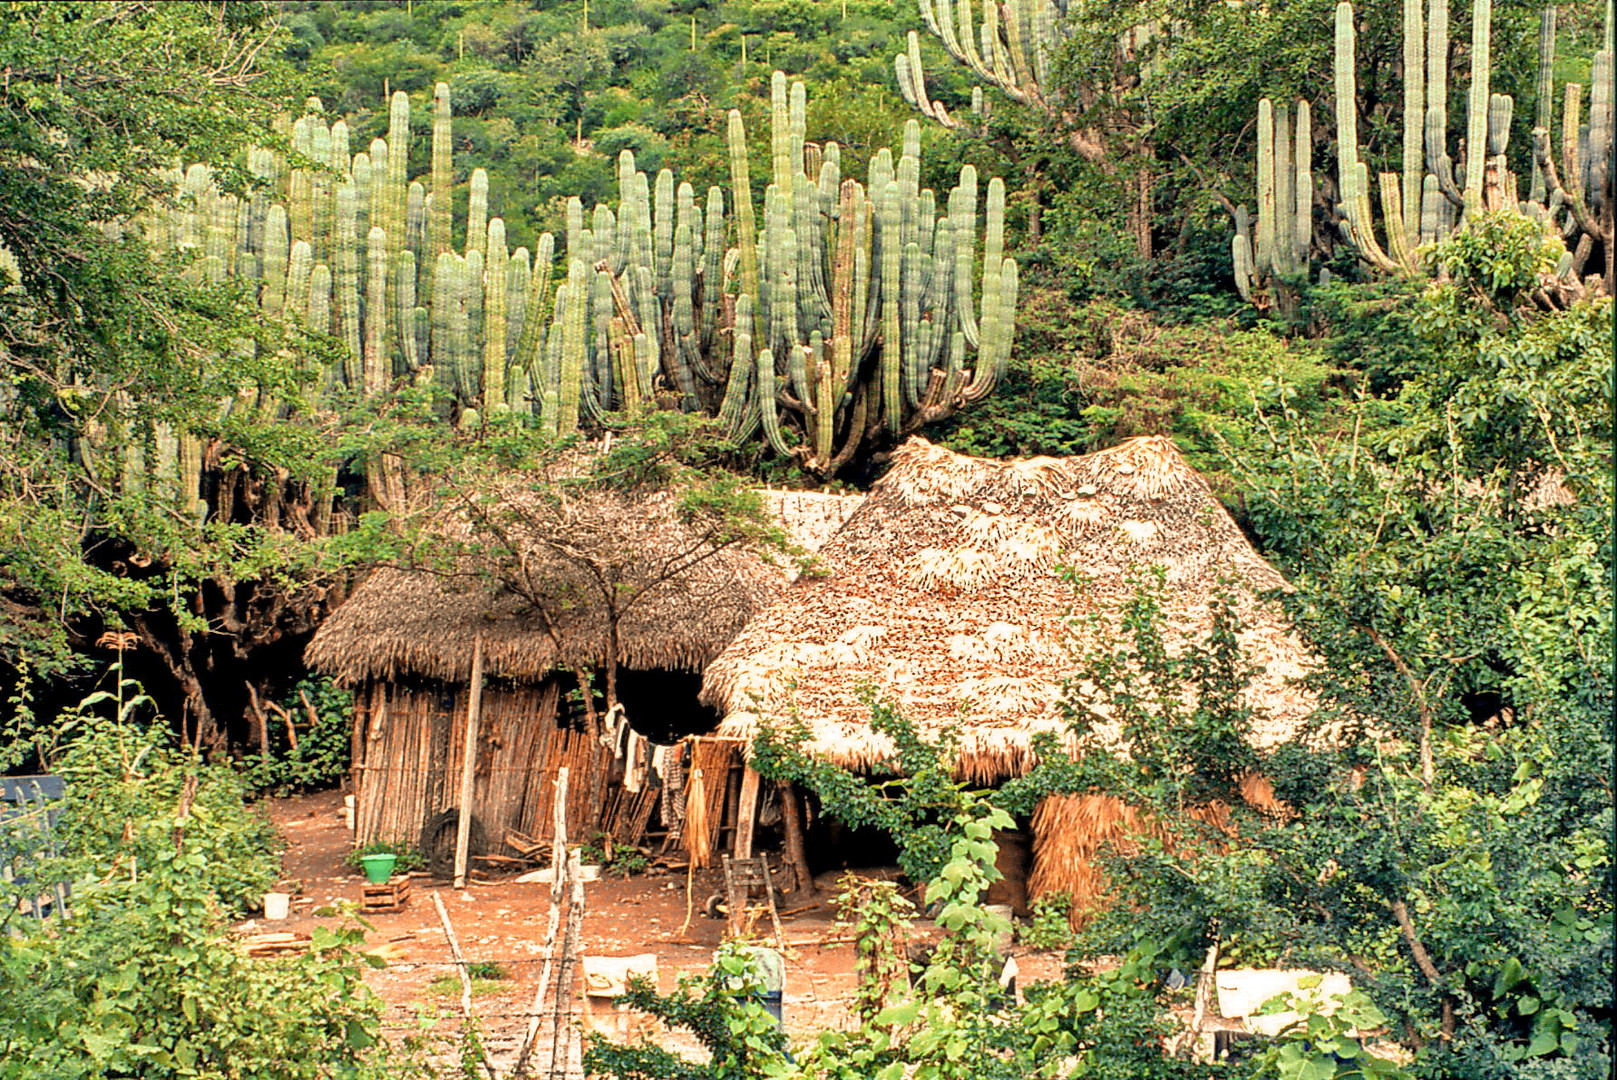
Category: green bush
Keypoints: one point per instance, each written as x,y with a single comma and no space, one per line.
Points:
322,755
130,792
142,978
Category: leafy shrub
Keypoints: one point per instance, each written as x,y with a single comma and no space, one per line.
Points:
130,792
142,978
625,860
1049,927
322,755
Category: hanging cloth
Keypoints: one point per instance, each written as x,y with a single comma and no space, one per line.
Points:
672,809
612,726
634,767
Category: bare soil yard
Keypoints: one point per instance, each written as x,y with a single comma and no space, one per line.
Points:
498,920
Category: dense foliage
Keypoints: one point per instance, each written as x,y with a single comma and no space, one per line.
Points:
140,977
1428,461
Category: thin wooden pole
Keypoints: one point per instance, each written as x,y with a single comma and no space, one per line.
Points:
468,767
461,969
567,973
748,813
460,960
558,875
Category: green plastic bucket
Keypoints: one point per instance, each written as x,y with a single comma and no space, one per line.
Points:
378,868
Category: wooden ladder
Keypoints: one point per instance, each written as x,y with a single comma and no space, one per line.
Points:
742,877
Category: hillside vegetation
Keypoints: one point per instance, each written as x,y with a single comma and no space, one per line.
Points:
283,284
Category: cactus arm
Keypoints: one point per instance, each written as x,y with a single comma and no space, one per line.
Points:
1303,153
823,414
573,345
346,286
889,242
768,405
963,212
375,375
746,227
713,251
842,289
477,213
273,298
1476,131
912,372
494,319
404,313
519,277
1263,252
1414,160
734,408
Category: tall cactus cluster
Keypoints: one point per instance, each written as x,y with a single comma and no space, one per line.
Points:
1431,195
1009,48
851,311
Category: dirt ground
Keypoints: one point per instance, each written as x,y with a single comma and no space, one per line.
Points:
504,922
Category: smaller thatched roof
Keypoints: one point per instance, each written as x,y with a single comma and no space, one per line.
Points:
418,622
943,592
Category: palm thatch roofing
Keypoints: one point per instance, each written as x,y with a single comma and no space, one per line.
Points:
423,622
944,593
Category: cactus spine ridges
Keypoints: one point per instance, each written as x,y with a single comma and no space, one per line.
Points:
854,310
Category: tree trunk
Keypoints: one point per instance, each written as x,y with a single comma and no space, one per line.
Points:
792,821
1035,205
1140,213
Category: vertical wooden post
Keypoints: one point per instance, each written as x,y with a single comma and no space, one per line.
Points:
468,767
559,865
747,811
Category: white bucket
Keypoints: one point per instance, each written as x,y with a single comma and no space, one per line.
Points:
348,811
276,906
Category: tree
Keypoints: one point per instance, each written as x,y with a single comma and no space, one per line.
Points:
122,368
1443,841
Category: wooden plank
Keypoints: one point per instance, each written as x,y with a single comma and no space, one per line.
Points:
468,768
747,813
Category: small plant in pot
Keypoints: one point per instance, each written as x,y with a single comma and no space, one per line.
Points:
381,860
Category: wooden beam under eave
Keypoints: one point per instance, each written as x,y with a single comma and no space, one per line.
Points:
746,813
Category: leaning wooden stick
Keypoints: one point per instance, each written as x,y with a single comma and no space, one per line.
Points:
468,768
567,973
460,960
558,874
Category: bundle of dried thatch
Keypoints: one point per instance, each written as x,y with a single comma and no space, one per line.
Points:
1070,832
943,591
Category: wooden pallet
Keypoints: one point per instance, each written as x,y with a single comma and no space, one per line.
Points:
390,896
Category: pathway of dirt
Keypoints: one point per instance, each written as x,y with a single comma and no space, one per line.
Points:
505,922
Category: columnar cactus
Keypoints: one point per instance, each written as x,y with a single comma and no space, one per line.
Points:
853,313
1431,198
854,306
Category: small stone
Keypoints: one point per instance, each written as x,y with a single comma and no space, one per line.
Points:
1087,490
960,511
1126,469
993,508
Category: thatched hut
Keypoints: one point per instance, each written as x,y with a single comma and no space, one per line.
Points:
944,591
405,641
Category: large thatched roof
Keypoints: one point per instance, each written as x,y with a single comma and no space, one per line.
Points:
418,622
943,591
